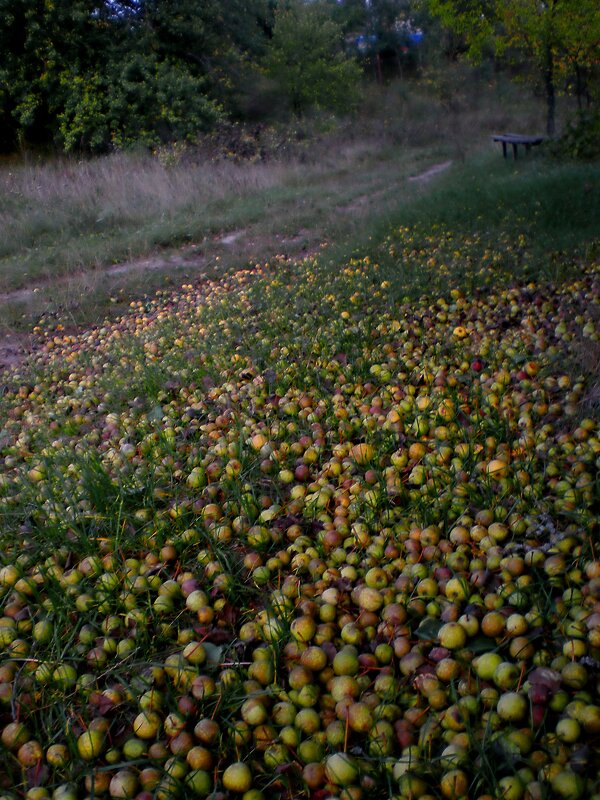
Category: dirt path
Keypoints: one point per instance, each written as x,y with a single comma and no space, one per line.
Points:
14,348
436,169
192,257
191,261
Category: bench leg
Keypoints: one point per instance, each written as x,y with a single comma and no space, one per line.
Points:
514,146
504,149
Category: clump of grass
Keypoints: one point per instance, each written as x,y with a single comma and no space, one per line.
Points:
82,214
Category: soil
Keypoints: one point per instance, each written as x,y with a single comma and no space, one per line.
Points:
436,169
192,259
14,348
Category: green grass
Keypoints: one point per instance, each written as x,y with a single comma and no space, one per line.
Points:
112,210
559,204
556,206
132,457
304,207
100,436
64,223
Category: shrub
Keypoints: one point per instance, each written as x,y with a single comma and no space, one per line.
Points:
581,139
306,59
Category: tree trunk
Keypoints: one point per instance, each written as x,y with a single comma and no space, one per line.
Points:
579,87
550,93
378,71
398,63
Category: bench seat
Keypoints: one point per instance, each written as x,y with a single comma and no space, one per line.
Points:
516,139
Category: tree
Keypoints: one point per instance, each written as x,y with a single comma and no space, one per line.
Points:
139,99
543,30
579,58
385,27
89,75
180,68
351,15
38,39
306,58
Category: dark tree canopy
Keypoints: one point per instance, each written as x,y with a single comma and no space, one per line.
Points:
87,75
559,38
306,58
91,75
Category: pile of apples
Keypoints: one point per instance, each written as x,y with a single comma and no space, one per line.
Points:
300,533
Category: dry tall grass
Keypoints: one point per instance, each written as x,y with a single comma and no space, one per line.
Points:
63,216
118,189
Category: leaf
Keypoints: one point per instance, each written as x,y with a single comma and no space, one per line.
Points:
156,414
544,676
482,644
214,654
429,629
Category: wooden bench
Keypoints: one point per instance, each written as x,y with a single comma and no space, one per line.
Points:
515,139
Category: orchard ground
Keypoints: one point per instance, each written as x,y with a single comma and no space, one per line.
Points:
320,527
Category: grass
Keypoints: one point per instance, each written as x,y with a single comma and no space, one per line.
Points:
62,217
309,205
65,223
160,447
440,330
558,204
555,207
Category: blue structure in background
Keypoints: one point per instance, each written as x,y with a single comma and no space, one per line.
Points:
365,42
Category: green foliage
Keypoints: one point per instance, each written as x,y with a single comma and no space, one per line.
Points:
84,122
579,58
350,14
558,36
384,29
152,102
91,76
37,41
306,59
581,139
385,19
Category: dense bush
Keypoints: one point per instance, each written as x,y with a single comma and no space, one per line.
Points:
581,139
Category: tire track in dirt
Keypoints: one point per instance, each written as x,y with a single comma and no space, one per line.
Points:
15,347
